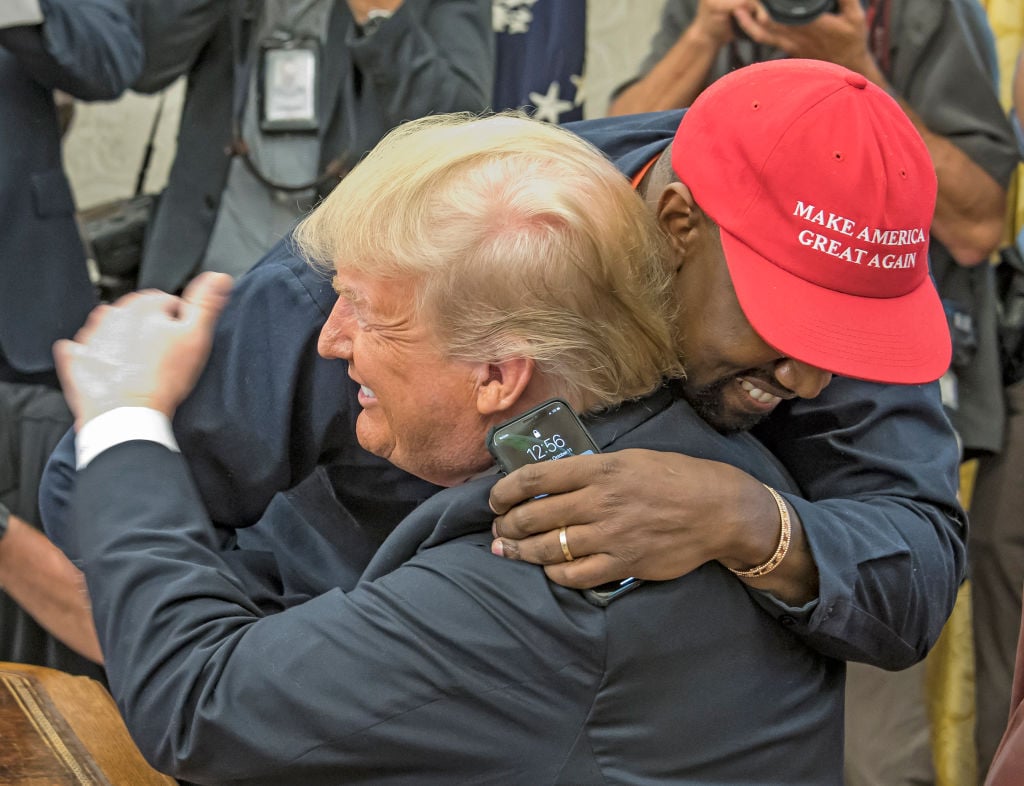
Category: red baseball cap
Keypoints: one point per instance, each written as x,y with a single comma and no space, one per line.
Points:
824,193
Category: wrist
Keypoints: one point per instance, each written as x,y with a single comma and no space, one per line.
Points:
704,37
782,546
122,425
754,525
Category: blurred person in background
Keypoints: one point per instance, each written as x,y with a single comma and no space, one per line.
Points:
283,98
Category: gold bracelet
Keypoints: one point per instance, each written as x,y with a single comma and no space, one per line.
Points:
781,550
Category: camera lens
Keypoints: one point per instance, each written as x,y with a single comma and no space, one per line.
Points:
798,12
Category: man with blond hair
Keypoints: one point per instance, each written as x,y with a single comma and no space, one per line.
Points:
482,267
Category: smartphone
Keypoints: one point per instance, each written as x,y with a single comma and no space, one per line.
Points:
549,432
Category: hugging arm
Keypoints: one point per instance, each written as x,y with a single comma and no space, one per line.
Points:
882,549
266,410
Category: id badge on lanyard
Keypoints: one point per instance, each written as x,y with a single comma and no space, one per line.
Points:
289,73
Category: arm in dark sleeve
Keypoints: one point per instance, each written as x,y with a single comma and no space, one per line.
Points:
90,49
879,467
173,35
267,408
435,56
400,675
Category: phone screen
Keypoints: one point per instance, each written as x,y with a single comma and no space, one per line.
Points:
548,432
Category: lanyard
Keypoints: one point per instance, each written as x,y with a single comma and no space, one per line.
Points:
243,18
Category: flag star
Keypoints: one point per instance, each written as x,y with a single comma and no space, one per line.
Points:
549,105
512,16
579,81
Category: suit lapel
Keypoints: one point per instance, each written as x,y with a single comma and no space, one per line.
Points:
447,515
335,78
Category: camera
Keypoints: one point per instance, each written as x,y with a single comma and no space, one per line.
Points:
798,12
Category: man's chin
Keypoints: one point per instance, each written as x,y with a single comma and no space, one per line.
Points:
371,440
709,403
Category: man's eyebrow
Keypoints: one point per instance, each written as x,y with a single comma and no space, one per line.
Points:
348,293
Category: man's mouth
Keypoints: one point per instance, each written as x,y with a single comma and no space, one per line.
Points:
366,392
758,394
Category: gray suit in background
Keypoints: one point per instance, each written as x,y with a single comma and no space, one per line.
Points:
431,56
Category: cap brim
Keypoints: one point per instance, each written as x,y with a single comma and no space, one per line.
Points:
903,340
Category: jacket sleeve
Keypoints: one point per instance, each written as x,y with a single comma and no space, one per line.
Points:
879,467
399,675
90,49
266,410
431,56
173,35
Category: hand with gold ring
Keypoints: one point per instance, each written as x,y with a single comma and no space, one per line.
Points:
646,514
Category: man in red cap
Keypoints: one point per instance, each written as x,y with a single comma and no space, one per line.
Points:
801,231
819,192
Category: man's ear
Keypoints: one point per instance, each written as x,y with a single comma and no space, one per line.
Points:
677,214
503,384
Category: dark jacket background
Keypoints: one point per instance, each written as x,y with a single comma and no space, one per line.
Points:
89,49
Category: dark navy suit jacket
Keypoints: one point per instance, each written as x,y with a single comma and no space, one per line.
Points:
446,664
89,49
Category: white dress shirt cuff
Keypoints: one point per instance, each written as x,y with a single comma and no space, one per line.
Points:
14,13
122,424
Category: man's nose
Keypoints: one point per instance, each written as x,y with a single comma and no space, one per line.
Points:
335,336
804,380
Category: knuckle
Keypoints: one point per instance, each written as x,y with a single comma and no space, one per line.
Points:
530,478
510,549
521,521
549,553
498,528
575,575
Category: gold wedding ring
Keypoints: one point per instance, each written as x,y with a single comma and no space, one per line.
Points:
565,545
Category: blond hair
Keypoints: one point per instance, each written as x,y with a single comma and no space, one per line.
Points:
525,241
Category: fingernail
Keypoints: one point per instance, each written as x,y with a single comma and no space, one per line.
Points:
497,548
